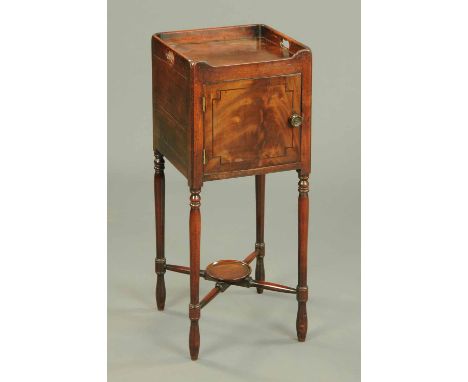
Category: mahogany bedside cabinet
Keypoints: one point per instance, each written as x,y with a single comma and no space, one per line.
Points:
230,102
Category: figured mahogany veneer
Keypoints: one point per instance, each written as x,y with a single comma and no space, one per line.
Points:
229,102
255,113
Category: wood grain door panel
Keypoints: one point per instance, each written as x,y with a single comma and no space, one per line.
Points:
246,123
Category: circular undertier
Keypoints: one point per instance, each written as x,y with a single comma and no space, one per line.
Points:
228,270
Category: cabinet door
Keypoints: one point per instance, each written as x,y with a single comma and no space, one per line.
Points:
246,123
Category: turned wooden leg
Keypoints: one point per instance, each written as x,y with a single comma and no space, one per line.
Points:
260,244
194,307
303,225
159,190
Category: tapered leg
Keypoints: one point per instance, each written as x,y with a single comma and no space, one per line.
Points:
260,244
303,225
194,307
159,191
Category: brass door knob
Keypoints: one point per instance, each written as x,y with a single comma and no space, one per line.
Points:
295,120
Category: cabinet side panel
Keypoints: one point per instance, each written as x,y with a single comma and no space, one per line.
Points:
170,139
171,91
170,110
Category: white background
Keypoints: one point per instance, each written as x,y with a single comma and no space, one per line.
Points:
53,194
414,191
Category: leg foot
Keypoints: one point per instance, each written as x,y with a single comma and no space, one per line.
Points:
194,340
301,320
160,292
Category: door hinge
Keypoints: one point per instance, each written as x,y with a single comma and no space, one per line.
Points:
204,156
204,104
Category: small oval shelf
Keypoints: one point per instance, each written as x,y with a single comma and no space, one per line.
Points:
228,270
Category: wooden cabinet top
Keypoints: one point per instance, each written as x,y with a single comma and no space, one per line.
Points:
232,45
231,101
